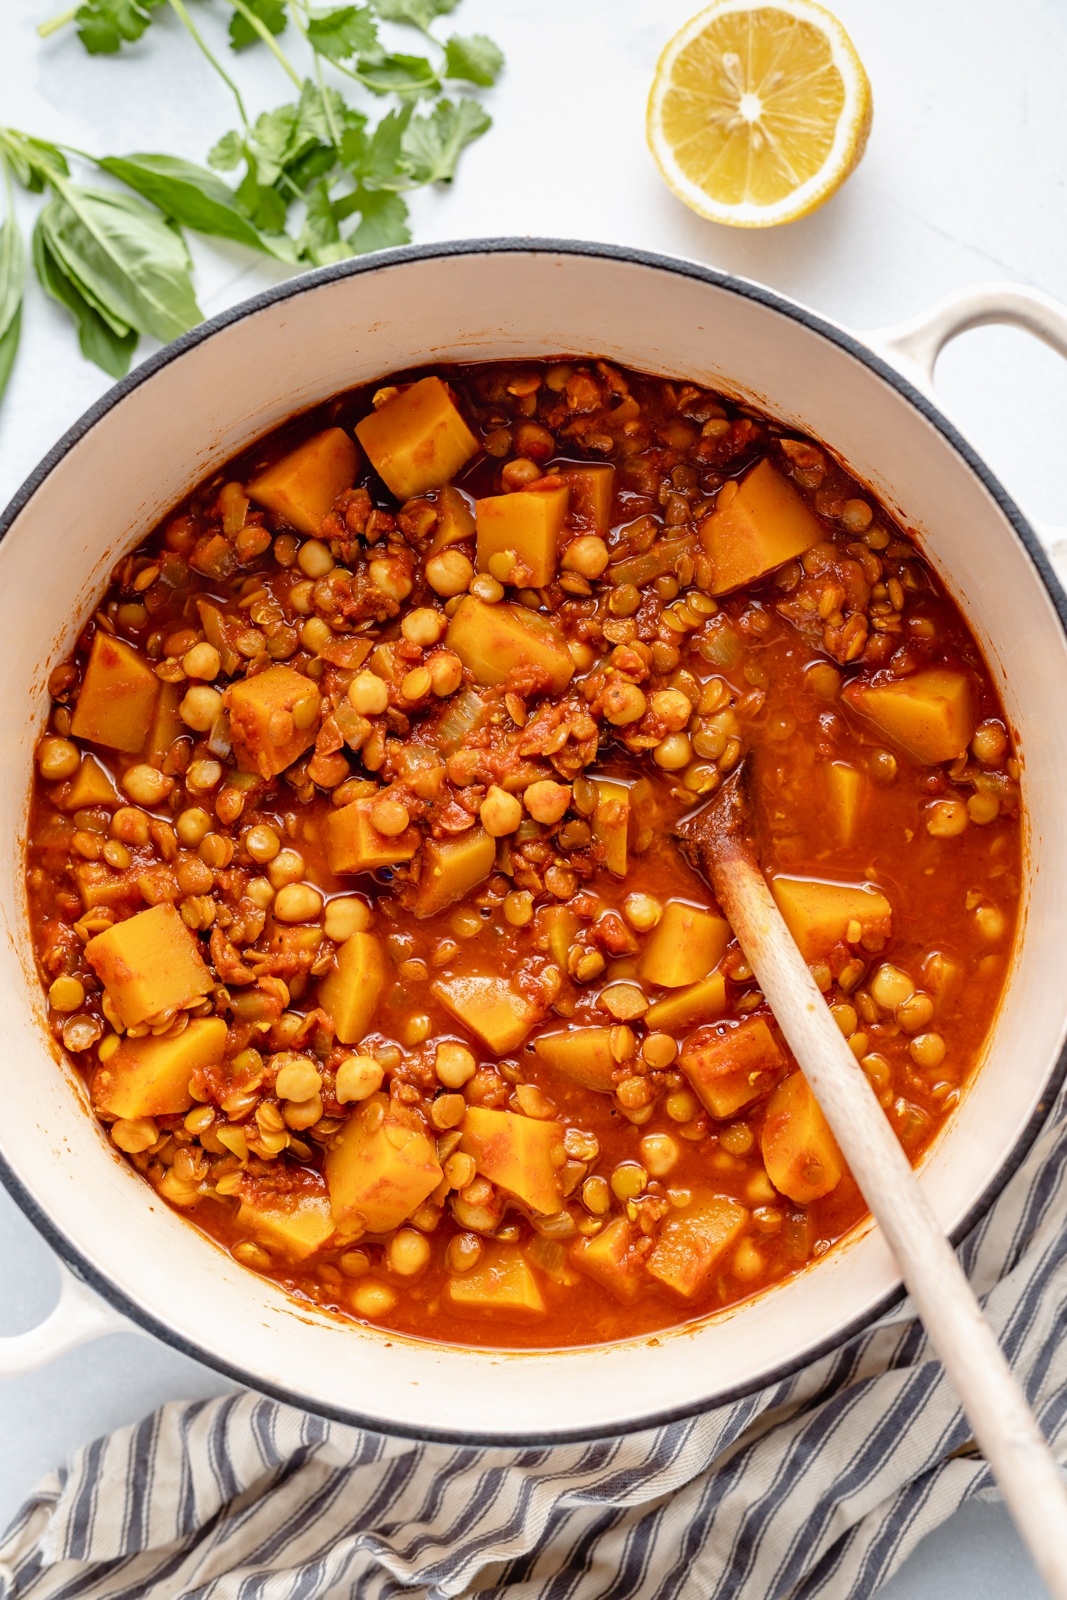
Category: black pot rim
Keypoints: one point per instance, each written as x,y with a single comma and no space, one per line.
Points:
747,290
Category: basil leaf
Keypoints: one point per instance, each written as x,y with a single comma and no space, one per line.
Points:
416,13
125,259
431,145
348,31
99,342
12,284
475,60
33,161
104,26
271,13
399,75
383,222
192,196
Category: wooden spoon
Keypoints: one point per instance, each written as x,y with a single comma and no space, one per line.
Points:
720,835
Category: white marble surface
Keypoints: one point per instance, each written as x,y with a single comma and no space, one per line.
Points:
964,181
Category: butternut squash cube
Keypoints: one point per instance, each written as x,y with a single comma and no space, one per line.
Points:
684,946
799,1150
611,824
455,519
117,698
581,1054
520,1154
417,440
592,484
762,526
495,1012
380,1167
149,964
267,736
302,487
493,640
167,725
821,915
845,788
294,1225
732,1066
611,1260
930,715
353,843
502,1283
693,1242
700,1002
352,990
150,1077
527,525
452,867
92,785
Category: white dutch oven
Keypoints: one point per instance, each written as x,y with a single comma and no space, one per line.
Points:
184,413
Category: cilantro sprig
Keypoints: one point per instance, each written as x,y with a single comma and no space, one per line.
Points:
318,178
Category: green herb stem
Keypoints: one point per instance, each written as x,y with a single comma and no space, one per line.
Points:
53,25
178,7
269,40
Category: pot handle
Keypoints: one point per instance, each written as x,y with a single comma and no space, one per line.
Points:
78,1316
914,346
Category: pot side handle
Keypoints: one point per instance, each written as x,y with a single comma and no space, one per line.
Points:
78,1317
914,346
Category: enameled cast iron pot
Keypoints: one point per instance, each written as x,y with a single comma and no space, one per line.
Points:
185,412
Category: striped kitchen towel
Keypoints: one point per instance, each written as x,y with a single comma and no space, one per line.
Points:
814,1489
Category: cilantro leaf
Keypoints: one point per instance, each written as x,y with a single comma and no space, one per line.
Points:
271,13
475,60
104,26
320,239
383,223
226,153
406,76
376,163
431,145
264,207
343,33
416,13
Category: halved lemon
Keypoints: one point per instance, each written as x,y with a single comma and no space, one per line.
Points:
759,111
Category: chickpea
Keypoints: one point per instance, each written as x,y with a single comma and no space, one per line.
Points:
464,1252
134,1134
518,908
623,703
390,578
354,1263
66,994
890,987
390,816
314,559
262,844
673,708
659,1050
202,661
989,743
946,819
547,801
300,597
737,1139
747,1262
983,808
424,626
914,1013
192,827
518,473
146,785
297,902
681,1106
203,775
587,556
449,573
368,694
927,1050
500,812
596,1195
487,588
200,707
407,1253
856,515
371,1299
628,1180
298,1079
345,916
991,922
673,752
454,1064
216,850
315,635
357,1078
260,892
287,867
131,826
57,759
659,1153
446,673
642,911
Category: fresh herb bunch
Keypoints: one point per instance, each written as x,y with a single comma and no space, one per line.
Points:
318,178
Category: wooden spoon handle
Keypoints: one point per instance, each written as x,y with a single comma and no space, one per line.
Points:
1003,1424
